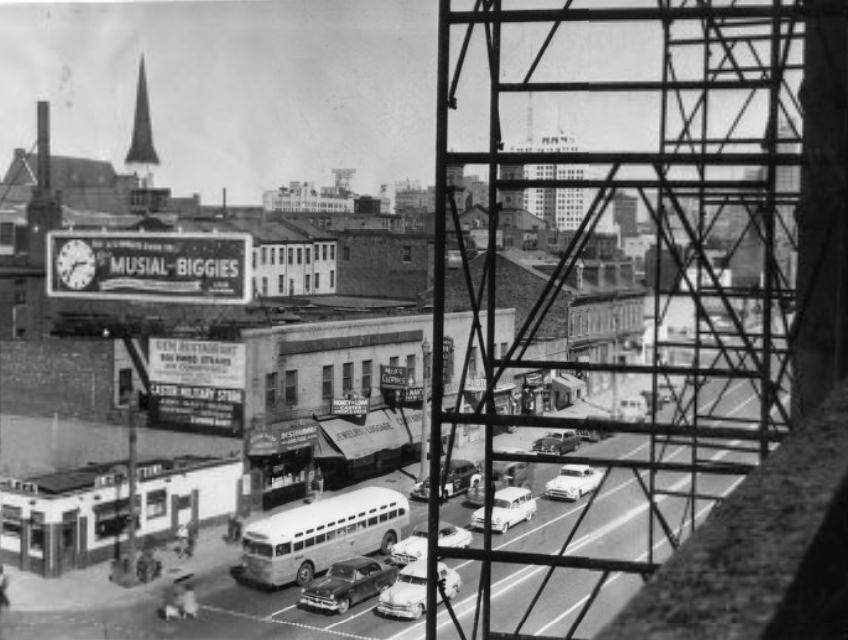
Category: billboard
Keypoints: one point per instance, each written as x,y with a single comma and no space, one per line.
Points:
197,383
150,266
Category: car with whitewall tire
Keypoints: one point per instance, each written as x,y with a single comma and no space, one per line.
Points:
407,598
511,506
573,482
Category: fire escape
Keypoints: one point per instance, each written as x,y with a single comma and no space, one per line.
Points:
722,80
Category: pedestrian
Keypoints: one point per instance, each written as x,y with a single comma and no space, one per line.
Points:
315,488
182,540
4,589
192,538
189,605
320,478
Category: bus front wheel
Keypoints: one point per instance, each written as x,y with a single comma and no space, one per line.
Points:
305,574
389,538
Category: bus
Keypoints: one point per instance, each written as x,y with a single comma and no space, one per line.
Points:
296,544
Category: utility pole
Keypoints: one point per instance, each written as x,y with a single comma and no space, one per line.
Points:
426,351
132,576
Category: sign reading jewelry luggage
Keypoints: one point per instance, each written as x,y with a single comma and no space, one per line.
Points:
158,267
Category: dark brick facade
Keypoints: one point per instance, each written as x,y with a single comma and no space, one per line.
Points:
380,264
71,378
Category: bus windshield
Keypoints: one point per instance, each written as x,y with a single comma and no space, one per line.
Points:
257,548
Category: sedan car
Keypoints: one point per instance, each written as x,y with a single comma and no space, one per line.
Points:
347,583
461,476
504,474
511,506
557,442
408,597
573,482
414,547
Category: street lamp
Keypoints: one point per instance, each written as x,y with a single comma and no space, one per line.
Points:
425,349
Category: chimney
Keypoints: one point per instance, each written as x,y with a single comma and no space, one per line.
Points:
43,188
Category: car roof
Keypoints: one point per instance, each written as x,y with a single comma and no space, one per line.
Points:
582,468
460,462
419,568
509,493
356,562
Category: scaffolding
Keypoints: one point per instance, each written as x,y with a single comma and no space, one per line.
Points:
721,81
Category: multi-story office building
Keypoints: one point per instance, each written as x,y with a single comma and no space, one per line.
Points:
563,208
304,196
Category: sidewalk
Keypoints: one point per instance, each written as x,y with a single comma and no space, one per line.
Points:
91,587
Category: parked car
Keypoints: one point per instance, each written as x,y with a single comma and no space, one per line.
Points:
511,506
408,597
504,474
414,547
573,482
462,474
591,434
347,583
557,442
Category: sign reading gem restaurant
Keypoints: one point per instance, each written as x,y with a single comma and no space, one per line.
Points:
158,267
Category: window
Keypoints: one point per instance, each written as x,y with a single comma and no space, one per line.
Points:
347,378
291,256
407,253
11,521
291,286
306,283
299,255
281,285
7,234
332,279
394,361
37,530
125,387
20,291
111,519
281,255
472,363
345,253
410,367
317,281
264,286
291,387
332,252
271,255
327,382
504,349
254,259
366,377
323,251
157,504
307,253
264,255
271,389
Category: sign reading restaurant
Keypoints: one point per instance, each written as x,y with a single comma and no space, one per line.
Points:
197,383
159,267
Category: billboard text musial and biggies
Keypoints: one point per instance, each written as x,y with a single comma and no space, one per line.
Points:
144,266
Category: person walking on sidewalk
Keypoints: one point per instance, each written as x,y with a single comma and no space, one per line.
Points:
4,590
191,542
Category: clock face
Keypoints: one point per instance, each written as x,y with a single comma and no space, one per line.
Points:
76,264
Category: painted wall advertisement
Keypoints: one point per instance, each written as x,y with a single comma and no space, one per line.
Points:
197,384
161,267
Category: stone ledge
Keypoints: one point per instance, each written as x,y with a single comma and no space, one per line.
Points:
771,561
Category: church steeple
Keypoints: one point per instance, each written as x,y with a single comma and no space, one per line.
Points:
141,149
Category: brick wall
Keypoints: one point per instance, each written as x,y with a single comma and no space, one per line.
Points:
64,376
373,265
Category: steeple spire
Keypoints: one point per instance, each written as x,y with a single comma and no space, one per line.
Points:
141,149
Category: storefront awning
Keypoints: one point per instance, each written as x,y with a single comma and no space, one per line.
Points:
569,382
324,448
379,432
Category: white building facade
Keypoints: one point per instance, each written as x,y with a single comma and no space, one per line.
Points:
293,267
305,196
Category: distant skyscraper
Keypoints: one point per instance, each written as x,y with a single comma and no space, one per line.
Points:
624,214
562,208
141,150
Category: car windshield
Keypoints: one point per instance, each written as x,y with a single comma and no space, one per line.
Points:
411,579
503,504
342,572
571,472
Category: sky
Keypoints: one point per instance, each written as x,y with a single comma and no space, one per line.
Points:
248,96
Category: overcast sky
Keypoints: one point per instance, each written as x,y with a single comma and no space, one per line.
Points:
251,95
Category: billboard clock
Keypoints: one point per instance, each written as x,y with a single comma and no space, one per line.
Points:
160,267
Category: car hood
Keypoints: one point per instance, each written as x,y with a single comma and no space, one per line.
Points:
327,586
415,546
497,513
563,482
403,593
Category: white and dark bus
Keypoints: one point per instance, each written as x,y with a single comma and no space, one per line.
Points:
296,544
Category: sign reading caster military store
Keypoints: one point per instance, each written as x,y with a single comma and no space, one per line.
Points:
158,267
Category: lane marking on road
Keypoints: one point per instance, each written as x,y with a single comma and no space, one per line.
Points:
516,578
352,617
298,625
663,541
283,610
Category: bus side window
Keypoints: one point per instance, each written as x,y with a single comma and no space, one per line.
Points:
341,532
298,545
401,511
283,549
384,517
351,528
310,541
320,538
331,534
361,524
372,521
393,514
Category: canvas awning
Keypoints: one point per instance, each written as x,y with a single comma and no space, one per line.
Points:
569,383
355,440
